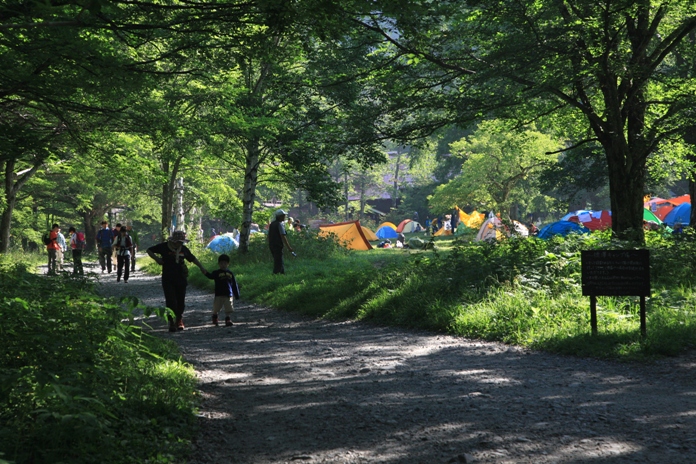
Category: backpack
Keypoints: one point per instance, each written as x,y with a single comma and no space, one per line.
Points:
46,238
80,242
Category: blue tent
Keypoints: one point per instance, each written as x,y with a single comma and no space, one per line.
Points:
386,232
680,213
562,228
222,244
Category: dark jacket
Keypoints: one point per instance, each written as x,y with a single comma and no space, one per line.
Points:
225,283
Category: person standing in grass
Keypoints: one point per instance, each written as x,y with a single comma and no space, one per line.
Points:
277,239
171,255
226,290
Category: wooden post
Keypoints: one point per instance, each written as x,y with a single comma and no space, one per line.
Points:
643,325
593,314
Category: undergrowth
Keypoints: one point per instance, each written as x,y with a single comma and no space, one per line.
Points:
78,385
519,291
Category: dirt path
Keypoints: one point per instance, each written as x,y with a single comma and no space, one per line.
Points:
278,387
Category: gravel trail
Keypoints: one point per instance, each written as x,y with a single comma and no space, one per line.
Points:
281,388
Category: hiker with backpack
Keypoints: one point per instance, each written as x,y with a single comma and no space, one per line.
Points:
77,244
50,239
104,240
123,246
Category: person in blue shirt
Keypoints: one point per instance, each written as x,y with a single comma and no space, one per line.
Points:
226,290
105,238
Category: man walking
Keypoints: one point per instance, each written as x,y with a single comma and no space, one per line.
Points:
104,240
277,239
136,244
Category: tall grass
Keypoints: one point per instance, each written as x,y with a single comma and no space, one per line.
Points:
80,386
520,291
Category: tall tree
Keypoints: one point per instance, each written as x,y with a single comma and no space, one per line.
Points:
605,65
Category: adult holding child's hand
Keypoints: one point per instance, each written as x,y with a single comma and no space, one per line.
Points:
171,256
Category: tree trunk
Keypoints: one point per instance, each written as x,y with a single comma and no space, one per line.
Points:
251,174
91,229
10,190
168,189
626,188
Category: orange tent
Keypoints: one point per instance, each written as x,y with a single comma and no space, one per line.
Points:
661,207
350,234
402,224
369,234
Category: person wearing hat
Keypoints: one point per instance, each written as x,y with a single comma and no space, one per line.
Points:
171,255
277,239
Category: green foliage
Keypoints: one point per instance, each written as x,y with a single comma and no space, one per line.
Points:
519,291
79,385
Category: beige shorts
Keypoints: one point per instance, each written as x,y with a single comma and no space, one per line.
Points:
226,302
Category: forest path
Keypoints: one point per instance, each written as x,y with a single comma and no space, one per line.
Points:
278,387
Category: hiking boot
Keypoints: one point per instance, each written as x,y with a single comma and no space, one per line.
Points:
215,319
172,326
180,324
228,322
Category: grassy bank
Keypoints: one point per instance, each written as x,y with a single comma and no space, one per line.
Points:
80,386
525,292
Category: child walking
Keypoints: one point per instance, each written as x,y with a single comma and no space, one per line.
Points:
225,290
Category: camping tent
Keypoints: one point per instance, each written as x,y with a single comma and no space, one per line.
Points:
600,220
223,243
369,235
681,213
407,226
388,224
561,228
520,229
441,232
349,233
662,207
490,230
386,232
402,224
473,220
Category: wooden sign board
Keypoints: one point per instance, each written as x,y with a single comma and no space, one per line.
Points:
616,272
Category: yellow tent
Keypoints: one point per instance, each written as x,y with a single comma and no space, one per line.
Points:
369,234
441,232
349,234
386,224
475,220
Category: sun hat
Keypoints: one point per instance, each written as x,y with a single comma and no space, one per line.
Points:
280,212
178,236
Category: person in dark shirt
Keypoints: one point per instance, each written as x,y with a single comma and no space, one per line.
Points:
226,290
105,237
277,239
171,255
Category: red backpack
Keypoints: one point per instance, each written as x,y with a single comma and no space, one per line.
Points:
80,242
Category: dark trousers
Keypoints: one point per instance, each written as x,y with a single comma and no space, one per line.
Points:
278,264
77,262
175,296
123,262
133,259
52,261
105,258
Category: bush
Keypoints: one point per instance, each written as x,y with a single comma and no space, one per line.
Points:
79,385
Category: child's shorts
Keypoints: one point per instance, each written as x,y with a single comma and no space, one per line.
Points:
223,302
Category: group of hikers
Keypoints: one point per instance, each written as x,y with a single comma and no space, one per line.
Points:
121,243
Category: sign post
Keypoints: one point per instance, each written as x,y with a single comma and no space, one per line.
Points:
615,273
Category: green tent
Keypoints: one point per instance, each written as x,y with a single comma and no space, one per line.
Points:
649,216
